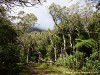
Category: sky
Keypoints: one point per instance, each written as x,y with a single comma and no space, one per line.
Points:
42,13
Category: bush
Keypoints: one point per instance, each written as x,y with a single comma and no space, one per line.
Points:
9,54
78,61
92,63
72,61
61,61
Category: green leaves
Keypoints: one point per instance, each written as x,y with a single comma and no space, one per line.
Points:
24,21
9,51
87,43
57,13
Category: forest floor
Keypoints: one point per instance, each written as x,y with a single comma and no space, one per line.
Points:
44,69
38,69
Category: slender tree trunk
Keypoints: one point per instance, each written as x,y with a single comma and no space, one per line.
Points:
51,41
70,41
39,59
64,41
98,40
61,52
27,56
55,48
55,51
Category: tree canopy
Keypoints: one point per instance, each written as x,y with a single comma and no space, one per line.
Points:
28,3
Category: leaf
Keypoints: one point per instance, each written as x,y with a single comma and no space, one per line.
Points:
87,43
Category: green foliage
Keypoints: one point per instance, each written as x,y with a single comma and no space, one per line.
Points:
7,34
87,43
9,54
9,50
92,63
61,61
24,21
72,61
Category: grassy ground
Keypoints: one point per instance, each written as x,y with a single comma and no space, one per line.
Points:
53,70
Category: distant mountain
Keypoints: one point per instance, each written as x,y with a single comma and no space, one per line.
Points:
32,29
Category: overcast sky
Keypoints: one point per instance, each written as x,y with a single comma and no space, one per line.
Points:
41,11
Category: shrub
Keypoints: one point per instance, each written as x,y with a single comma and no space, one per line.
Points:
72,61
92,63
61,61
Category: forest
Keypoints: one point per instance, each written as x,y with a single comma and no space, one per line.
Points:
71,48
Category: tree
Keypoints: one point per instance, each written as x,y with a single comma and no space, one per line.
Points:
85,46
12,3
24,21
64,24
94,29
9,50
25,41
57,13
59,17
98,6
23,24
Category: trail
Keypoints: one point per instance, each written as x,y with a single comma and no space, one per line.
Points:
36,71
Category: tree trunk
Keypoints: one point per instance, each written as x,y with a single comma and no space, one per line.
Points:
27,56
70,41
64,49
39,58
61,52
55,51
98,40
64,42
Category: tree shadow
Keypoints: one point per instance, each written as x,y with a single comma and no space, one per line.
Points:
15,70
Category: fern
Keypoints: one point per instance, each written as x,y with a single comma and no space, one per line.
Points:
87,43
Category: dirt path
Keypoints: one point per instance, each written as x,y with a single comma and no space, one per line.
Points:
36,71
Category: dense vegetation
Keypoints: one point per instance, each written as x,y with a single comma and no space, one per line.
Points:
74,43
